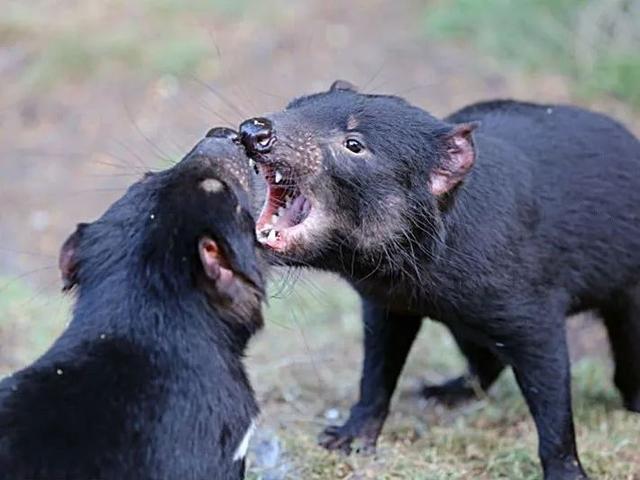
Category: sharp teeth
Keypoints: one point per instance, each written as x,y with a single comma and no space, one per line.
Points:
273,236
265,231
278,176
281,211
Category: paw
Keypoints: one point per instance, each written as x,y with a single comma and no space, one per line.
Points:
633,404
359,436
566,475
452,392
567,469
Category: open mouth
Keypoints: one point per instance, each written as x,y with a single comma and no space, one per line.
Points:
285,208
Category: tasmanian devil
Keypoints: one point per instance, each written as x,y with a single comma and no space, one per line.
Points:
147,381
499,221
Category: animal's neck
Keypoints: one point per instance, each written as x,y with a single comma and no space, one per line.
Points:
164,323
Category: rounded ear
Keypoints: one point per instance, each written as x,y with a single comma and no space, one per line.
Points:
457,160
215,266
67,261
342,85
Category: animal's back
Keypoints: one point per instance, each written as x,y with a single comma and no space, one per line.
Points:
564,141
585,183
68,415
109,410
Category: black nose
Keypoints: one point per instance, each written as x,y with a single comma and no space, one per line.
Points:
222,132
257,135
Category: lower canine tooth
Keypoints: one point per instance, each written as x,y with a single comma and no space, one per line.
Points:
278,177
273,236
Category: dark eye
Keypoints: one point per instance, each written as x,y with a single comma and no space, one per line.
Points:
354,145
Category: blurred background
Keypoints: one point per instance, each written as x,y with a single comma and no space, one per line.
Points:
96,92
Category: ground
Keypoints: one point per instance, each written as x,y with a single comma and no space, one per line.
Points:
94,93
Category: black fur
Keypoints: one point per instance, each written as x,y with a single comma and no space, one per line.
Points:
546,223
147,381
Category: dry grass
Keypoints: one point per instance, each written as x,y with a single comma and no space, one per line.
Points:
308,363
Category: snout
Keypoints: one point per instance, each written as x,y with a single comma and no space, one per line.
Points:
219,143
222,132
220,154
257,135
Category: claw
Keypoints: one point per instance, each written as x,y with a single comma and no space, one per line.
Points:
349,438
333,439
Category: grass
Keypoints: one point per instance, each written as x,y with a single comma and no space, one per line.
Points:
306,362
29,321
597,44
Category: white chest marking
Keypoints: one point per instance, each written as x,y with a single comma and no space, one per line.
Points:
241,451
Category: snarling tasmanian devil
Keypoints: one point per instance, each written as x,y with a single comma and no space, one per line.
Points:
499,221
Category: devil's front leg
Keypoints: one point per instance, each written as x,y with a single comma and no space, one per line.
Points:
388,337
533,342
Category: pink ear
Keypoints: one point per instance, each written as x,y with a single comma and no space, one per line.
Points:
210,257
342,85
67,261
215,265
457,161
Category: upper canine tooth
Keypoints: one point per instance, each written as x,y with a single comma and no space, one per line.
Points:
278,176
273,236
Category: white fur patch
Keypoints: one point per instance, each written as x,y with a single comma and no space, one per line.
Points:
241,451
211,185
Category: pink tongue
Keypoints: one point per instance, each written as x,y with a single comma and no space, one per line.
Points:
291,216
